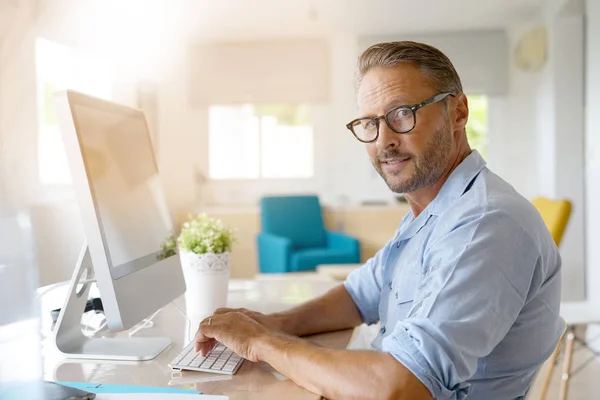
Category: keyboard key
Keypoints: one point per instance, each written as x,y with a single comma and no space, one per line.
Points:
216,353
196,363
188,358
178,359
229,367
207,364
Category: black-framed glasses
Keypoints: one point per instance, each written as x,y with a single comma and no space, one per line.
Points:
400,119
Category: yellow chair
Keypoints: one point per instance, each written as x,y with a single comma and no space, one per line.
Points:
556,214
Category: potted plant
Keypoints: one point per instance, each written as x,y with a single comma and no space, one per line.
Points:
204,246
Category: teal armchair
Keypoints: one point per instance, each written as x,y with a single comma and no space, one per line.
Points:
293,237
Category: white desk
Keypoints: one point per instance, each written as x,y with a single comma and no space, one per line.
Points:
252,381
338,272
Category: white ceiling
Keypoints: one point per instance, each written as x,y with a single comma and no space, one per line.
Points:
305,17
283,18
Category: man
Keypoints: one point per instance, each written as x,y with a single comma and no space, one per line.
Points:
467,292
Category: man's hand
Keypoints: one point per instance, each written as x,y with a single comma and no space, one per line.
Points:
270,321
236,330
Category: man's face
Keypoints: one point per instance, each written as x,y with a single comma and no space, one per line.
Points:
406,161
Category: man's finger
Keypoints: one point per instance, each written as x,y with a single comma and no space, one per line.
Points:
203,341
206,347
224,310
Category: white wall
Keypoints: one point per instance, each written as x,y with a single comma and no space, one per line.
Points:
561,161
512,125
592,159
592,147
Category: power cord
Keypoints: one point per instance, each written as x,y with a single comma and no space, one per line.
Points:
144,324
189,321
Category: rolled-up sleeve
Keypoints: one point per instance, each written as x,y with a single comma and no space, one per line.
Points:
364,286
476,279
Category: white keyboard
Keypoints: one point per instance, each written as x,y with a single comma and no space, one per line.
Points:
219,360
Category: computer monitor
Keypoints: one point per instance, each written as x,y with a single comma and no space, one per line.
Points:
125,220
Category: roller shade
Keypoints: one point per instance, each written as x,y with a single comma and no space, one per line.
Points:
480,57
292,71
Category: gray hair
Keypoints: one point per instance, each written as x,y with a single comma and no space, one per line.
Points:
434,64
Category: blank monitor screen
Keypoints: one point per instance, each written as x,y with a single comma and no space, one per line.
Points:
124,179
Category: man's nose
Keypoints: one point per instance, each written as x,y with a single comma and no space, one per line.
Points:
387,139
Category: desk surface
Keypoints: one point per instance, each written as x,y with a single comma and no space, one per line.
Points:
252,381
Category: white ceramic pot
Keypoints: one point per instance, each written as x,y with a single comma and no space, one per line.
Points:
207,280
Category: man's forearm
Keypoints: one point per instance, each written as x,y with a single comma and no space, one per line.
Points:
340,374
333,311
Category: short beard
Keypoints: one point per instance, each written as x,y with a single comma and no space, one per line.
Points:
428,168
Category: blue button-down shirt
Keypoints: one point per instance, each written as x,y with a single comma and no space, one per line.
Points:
467,293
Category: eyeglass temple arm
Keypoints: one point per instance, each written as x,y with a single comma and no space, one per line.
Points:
435,99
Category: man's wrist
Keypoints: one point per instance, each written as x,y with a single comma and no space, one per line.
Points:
283,323
268,345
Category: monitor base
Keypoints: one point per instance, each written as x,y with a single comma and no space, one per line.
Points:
72,343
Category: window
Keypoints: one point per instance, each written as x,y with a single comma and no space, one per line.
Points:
59,67
477,126
260,141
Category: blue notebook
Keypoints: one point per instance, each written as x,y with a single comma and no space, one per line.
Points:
106,388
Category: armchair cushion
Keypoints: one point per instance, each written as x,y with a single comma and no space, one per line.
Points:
336,240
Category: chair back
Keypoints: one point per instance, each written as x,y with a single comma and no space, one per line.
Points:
297,218
555,214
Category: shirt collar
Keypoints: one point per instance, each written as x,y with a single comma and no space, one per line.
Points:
453,188
457,182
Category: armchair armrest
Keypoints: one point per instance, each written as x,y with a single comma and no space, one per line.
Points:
336,240
273,253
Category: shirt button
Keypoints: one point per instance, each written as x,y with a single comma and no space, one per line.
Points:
382,330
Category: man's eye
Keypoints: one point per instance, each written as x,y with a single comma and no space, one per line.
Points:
402,113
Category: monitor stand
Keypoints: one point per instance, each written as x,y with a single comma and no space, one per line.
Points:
70,340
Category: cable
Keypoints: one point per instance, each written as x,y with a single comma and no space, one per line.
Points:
189,321
89,330
52,287
144,324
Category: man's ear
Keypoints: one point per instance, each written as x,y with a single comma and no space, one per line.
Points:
461,112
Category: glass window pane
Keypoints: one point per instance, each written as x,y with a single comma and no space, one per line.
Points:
260,141
58,67
233,142
287,149
477,126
